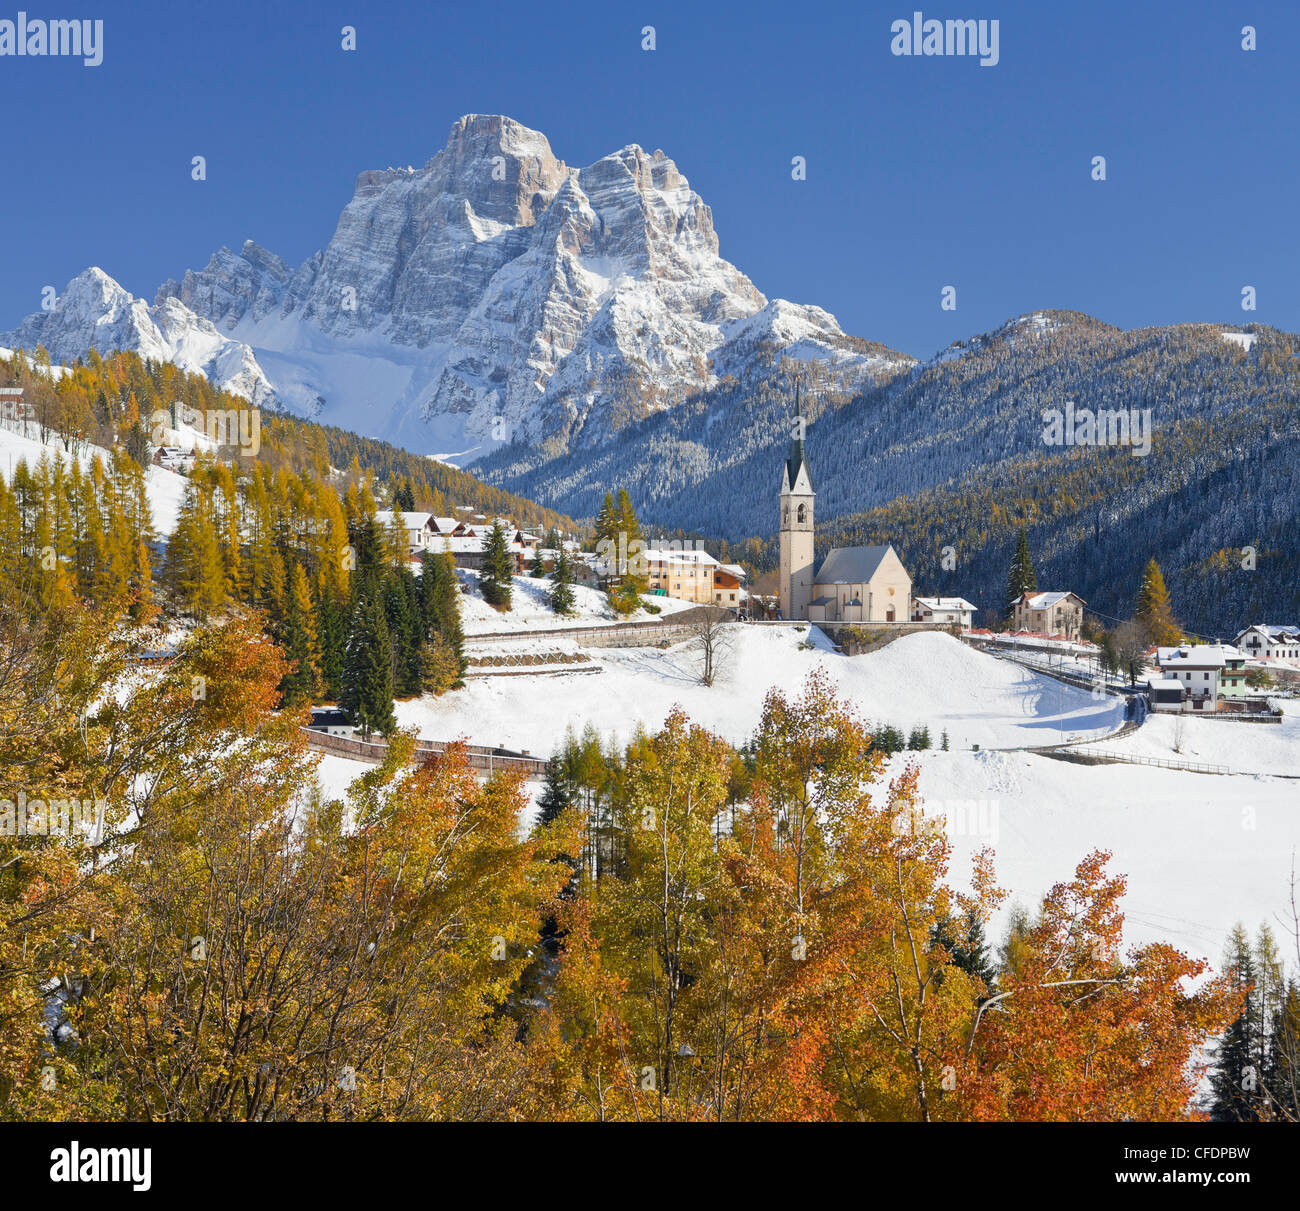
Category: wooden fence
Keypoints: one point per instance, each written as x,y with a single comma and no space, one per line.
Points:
373,751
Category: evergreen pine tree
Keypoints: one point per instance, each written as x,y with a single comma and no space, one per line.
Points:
443,610
562,598
367,697
963,938
300,642
495,575
1235,1076
332,633
1021,577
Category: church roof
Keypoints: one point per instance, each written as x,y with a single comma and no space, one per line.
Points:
851,565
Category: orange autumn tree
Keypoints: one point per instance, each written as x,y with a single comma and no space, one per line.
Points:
1080,1032
672,996
788,960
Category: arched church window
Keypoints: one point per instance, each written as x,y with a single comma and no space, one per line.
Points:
803,514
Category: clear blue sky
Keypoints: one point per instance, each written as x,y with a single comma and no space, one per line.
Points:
922,172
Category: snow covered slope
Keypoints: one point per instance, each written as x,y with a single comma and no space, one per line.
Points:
165,489
927,679
1201,852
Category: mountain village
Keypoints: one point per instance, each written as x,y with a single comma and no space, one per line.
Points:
521,671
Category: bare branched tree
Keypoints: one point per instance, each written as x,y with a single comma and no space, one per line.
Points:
712,639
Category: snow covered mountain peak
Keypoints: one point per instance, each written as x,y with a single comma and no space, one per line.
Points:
493,294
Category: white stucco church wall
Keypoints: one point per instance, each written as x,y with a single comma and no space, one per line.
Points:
853,584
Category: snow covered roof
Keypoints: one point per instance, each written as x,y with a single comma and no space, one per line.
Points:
851,565
412,521
1271,632
944,603
658,555
1044,601
1198,655
732,569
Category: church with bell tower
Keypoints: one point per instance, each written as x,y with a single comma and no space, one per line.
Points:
797,495
853,584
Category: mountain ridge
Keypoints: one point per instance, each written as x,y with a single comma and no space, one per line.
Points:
495,294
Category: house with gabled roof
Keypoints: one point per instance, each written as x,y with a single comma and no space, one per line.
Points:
1055,613
1261,642
949,611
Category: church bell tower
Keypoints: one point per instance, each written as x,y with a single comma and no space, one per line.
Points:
796,525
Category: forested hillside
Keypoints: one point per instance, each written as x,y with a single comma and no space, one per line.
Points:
113,400
951,454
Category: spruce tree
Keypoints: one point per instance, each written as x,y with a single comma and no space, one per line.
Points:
560,791
562,598
1235,1076
332,633
1021,577
496,571
963,938
367,697
300,642
406,631
440,600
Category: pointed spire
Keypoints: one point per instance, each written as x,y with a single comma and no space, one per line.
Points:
797,459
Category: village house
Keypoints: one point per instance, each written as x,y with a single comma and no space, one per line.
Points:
686,575
330,720
419,527
1270,643
1207,674
1049,613
729,586
948,611
853,584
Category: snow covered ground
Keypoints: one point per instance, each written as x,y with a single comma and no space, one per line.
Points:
529,610
1201,852
165,489
1252,748
926,679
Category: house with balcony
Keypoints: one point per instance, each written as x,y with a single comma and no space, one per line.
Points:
1267,643
1212,676
687,575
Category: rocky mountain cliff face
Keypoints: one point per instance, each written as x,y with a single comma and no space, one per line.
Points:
494,294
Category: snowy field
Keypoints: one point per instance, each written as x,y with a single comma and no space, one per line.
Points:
1252,748
1201,851
926,679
